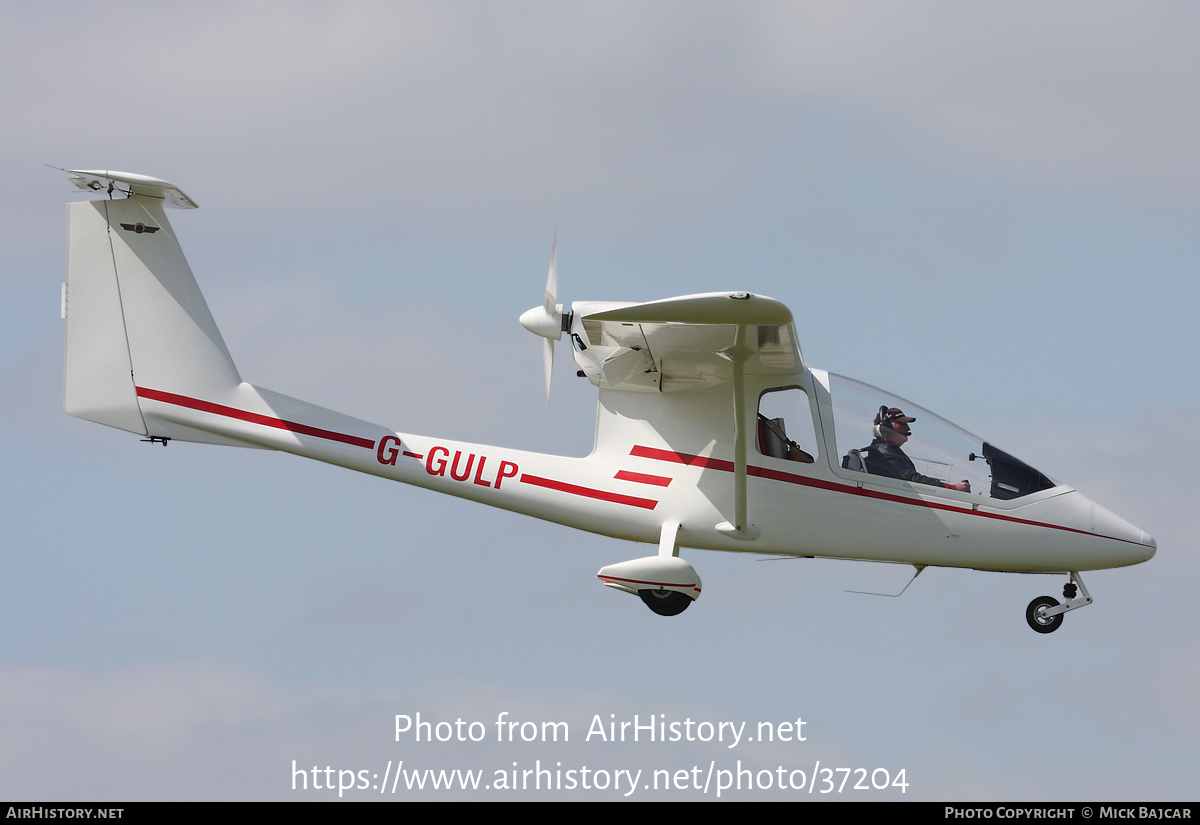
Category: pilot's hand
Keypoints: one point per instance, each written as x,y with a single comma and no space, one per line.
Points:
963,486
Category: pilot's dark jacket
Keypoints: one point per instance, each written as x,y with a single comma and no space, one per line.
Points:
885,459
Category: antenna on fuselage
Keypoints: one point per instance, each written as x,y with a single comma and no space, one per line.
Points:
919,567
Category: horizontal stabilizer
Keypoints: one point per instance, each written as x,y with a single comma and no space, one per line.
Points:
169,193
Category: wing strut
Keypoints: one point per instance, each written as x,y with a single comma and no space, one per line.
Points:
738,355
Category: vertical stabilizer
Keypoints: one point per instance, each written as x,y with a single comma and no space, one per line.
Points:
135,318
98,374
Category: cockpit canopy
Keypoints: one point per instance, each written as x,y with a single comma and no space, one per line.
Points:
937,448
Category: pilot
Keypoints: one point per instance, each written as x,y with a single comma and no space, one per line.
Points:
885,458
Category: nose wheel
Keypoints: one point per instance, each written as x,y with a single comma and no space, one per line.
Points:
1035,614
1045,614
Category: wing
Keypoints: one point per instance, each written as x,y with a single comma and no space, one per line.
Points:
688,343
684,343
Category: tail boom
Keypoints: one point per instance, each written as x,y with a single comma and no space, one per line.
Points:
144,354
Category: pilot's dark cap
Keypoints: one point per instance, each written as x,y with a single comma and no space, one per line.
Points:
892,415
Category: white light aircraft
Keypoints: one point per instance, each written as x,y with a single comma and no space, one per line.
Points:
712,431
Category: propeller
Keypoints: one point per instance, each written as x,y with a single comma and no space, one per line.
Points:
547,320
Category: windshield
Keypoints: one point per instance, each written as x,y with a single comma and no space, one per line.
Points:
880,433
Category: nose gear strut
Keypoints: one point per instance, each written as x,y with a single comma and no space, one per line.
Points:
1045,614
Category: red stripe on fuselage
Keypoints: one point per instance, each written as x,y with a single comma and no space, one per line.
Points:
589,492
682,458
643,478
832,486
253,418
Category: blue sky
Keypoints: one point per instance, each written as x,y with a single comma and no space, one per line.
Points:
990,209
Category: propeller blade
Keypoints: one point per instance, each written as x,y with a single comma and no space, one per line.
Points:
547,320
548,364
550,301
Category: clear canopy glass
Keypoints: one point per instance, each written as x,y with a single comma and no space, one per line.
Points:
942,454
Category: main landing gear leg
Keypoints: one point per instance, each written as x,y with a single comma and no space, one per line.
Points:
1045,614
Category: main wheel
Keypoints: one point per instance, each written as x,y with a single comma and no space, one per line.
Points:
667,602
1040,623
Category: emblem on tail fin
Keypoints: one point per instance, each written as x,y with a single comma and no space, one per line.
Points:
139,228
